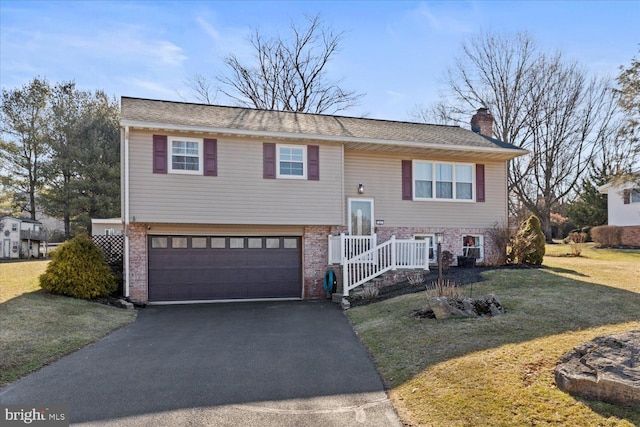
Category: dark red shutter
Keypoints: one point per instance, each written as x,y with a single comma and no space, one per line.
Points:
479,183
269,160
407,180
626,197
159,153
211,157
313,162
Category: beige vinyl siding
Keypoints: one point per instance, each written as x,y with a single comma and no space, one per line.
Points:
239,194
381,175
224,230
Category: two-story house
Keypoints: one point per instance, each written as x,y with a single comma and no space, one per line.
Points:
225,203
21,237
623,208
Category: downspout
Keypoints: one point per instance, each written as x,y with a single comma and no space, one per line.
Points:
125,176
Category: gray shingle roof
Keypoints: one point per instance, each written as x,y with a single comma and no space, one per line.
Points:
136,110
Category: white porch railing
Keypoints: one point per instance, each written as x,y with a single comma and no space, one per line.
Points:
390,255
344,247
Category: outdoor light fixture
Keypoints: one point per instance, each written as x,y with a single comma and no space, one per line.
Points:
360,188
439,237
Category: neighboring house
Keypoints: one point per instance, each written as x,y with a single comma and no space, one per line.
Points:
623,208
106,227
223,203
21,237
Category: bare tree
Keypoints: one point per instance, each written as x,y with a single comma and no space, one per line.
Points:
202,88
288,74
541,102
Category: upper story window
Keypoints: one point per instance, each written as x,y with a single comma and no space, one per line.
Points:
291,161
185,155
14,227
635,195
442,181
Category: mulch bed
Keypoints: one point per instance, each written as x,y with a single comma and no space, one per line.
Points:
461,276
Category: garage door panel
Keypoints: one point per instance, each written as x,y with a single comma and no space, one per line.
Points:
220,267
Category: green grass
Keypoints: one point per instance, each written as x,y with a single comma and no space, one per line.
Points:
38,328
499,371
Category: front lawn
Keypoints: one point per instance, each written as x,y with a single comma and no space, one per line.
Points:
37,328
499,371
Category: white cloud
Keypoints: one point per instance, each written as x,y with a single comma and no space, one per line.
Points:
153,87
445,21
209,29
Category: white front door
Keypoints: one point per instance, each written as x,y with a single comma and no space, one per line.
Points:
361,219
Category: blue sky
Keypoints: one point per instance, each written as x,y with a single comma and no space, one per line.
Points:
395,52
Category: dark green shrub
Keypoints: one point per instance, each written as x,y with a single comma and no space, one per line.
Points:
607,236
529,244
78,270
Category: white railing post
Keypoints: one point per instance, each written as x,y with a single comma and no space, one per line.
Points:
345,277
427,245
393,253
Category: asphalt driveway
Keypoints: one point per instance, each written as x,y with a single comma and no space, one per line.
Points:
273,363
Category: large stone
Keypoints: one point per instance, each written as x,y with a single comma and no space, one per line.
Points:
444,308
606,368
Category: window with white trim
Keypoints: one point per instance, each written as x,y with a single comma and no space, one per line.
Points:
432,245
473,246
185,155
443,181
291,161
14,227
635,195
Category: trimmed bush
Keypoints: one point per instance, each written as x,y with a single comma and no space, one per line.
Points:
607,236
529,244
78,269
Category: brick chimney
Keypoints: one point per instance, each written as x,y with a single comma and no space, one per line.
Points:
482,122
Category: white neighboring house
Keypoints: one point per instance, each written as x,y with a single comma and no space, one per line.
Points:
623,203
21,237
106,227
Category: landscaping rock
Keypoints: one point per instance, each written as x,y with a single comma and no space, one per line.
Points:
345,304
606,368
444,308
124,304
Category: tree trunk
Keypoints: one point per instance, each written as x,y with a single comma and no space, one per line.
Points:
545,221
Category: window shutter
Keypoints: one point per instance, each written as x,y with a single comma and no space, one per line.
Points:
407,180
269,160
159,153
313,163
210,157
479,183
626,196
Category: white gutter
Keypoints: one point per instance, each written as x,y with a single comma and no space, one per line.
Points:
125,176
316,137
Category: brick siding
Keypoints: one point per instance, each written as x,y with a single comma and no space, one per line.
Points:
138,290
315,252
630,235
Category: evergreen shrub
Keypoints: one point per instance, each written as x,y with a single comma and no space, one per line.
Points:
78,269
529,244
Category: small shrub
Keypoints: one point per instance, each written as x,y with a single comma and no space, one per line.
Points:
607,236
444,288
528,247
78,270
447,259
415,279
369,291
500,236
577,241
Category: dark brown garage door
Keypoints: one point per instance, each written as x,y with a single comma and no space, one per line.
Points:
190,268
